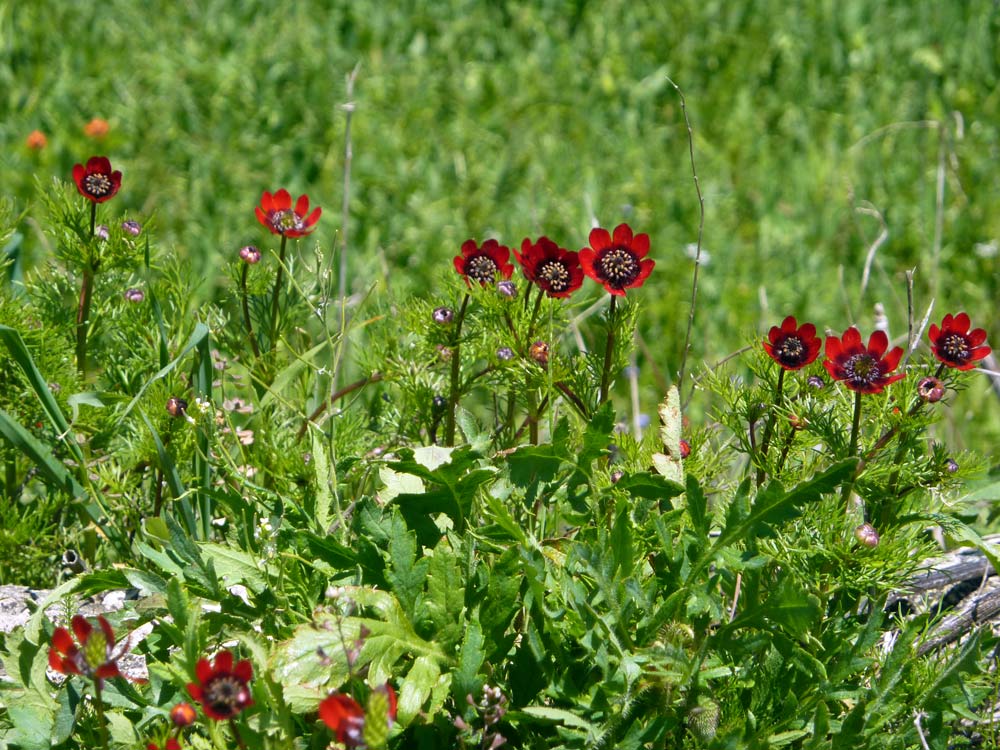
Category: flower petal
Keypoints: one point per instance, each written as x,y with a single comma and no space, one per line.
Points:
82,628
962,323
600,239
977,336
203,670
878,342
302,205
244,670
224,662
622,235
640,245
282,200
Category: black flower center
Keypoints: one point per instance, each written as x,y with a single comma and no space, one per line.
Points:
555,275
791,350
482,268
863,369
226,694
98,184
955,347
285,221
619,266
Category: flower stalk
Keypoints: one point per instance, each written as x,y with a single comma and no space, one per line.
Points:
454,389
608,353
276,294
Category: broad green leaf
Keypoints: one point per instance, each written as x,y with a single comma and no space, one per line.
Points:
416,688
470,658
47,464
234,566
396,483
404,573
650,486
33,714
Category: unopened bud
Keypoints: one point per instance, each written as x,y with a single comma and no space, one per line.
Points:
102,232
438,403
135,295
539,352
505,354
685,448
616,476
951,466
250,254
443,315
183,715
507,289
176,407
132,227
703,720
444,353
796,422
867,535
931,390
815,381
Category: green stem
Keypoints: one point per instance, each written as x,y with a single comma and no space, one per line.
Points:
534,313
853,450
86,295
455,371
246,312
608,352
769,429
277,293
102,723
237,735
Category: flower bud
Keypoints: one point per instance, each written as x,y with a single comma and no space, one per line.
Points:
867,535
703,720
505,354
444,353
250,254
102,232
183,714
135,295
815,381
616,476
132,227
931,390
539,351
36,140
443,315
438,403
796,422
507,289
951,466
685,447
176,407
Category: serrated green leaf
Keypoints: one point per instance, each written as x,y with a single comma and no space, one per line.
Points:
416,688
33,714
470,657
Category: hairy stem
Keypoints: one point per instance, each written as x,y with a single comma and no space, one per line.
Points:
769,429
853,449
277,293
246,312
608,353
455,372
86,295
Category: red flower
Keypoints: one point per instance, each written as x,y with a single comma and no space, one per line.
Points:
955,345
93,657
554,269
792,346
618,262
484,264
346,718
172,744
275,212
863,369
96,182
222,689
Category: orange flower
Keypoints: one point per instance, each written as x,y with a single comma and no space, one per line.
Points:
96,128
36,140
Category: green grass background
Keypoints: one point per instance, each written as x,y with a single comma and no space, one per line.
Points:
509,119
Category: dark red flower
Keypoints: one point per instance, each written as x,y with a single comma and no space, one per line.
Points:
96,182
554,269
93,653
346,718
222,689
618,262
955,345
863,369
792,346
172,744
276,213
484,264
